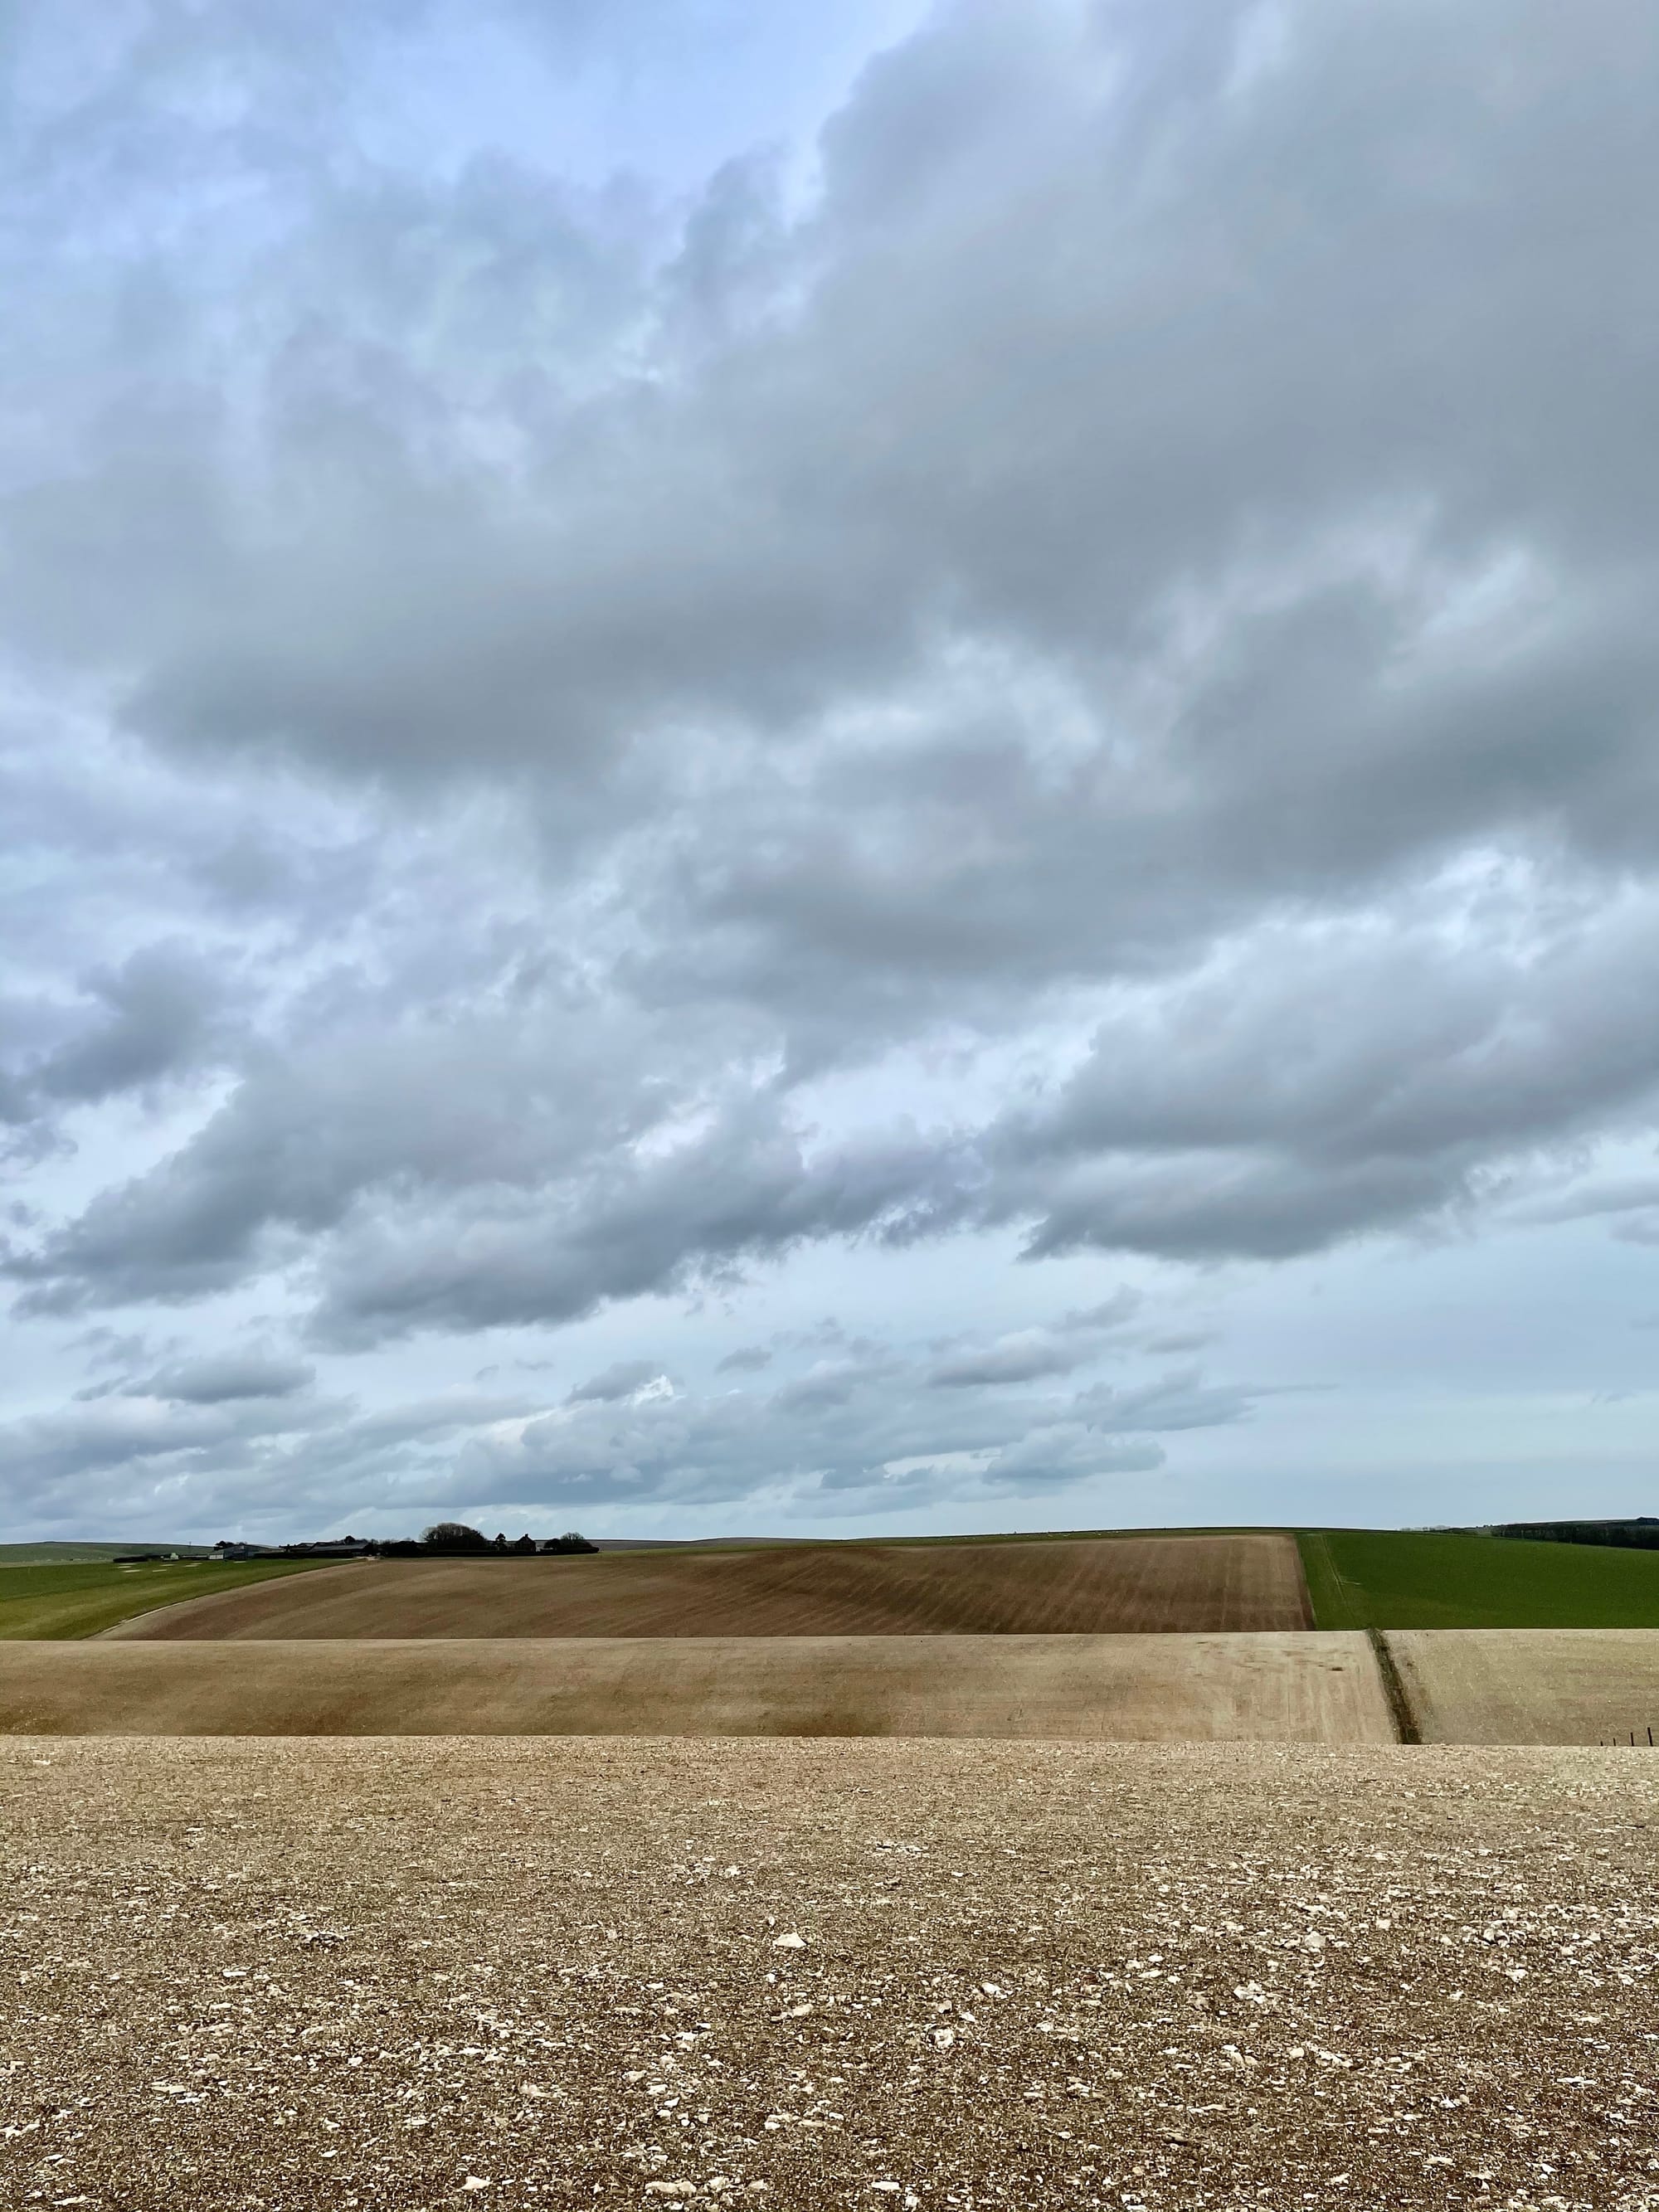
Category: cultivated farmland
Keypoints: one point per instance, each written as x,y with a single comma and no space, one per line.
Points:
1299,1687
815,1976
1531,1686
1427,1578
1144,1584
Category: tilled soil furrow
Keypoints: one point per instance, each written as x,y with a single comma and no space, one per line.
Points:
1091,1586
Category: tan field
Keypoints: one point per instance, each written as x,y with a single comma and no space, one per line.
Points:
1082,1588
1300,1688
1530,1685
816,1977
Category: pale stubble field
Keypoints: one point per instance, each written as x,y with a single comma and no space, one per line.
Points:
1305,1688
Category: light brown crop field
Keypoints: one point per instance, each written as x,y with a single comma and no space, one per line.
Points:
1299,1687
816,1975
1530,1685
1136,1584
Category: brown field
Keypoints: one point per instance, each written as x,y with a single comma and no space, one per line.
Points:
1300,1688
1137,1584
242,1977
1530,1685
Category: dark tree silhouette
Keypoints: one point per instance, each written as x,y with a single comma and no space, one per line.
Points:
453,1536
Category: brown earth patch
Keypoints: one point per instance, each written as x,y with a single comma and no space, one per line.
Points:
246,1976
1139,1584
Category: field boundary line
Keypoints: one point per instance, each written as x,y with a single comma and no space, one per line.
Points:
1394,1688
1309,1618
1313,1549
116,1633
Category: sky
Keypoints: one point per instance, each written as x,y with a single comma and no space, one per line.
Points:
826,771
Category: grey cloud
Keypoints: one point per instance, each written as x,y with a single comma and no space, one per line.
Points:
829,1385
1317,1081
159,1020
159,1008
856,1435
1341,1080
1111,1313
1175,1401
1027,1355
1023,1357
1243,435
217,1378
422,1420
620,1380
1356,386
480,1098
745,1194
1053,1458
120,1453
873,1444
747,1360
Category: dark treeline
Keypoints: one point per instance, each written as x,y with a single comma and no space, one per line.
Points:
453,1540
1640,1534
445,1539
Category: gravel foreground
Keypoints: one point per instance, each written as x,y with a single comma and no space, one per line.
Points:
509,1972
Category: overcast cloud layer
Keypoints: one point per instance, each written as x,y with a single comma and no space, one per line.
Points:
654,682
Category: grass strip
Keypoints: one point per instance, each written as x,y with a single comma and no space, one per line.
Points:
1394,1688
1423,1578
64,1603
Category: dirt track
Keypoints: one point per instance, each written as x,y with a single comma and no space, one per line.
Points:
1296,1687
1530,1685
1142,1584
338,1975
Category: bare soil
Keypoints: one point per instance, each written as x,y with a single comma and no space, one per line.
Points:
1301,1686
834,1975
1585,1685
1136,1584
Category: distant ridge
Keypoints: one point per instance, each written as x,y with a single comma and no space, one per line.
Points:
66,1555
697,1543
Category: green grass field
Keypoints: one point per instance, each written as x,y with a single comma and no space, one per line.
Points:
59,1602
69,1555
1401,1579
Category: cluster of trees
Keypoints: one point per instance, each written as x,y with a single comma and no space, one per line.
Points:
455,1538
1640,1534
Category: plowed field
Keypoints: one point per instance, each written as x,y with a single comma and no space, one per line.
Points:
823,1976
1294,1687
1090,1587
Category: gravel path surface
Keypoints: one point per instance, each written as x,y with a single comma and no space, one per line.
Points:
383,1974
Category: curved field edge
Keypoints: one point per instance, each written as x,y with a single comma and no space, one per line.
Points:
1391,1578
58,1604
1198,1583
